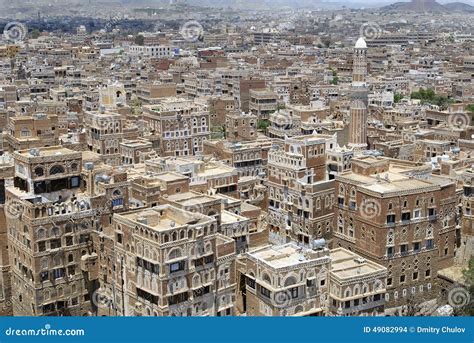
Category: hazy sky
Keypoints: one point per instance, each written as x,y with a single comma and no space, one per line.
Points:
230,2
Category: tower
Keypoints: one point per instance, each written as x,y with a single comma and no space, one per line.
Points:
49,226
358,107
359,69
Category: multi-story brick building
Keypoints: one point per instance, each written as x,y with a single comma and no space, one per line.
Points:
6,174
49,226
284,280
33,131
357,285
249,158
168,262
300,195
398,215
205,175
240,127
180,126
104,134
262,103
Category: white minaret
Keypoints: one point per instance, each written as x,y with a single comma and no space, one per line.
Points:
358,108
359,68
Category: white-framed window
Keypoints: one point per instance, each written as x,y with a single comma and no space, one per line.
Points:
25,132
416,213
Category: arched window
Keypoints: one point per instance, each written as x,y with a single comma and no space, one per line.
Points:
290,281
267,279
40,234
175,253
57,169
196,281
55,231
25,132
68,228
117,192
39,171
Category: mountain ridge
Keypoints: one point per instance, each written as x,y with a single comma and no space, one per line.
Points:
429,6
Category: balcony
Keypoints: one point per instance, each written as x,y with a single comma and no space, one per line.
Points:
361,307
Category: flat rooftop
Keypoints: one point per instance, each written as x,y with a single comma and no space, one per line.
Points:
47,151
396,179
191,199
170,177
136,143
231,218
287,255
346,264
164,218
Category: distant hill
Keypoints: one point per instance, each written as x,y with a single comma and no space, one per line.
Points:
429,6
459,7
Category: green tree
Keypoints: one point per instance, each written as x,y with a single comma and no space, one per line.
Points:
335,78
468,273
428,96
139,40
397,98
35,33
326,41
468,308
263,124
470,108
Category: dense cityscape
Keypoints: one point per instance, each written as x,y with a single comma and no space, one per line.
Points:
185,158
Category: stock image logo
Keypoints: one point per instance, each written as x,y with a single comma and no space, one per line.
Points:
13,209
281,299
192,31
370,30
101,300
460,120
285,121
458,296
15,31
408,137
370,208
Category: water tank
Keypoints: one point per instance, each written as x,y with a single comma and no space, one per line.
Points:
319,243
34,152
142,220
